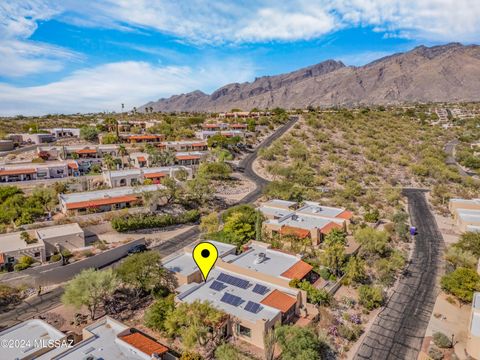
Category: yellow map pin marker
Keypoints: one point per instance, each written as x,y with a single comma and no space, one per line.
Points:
205,255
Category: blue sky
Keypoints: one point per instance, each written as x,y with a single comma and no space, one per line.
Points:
83,56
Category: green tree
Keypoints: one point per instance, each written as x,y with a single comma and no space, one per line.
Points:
371,297
333,257
142,271
196,323
462,283
89,133
355,271
156,314
336,236
46,197
269,341
110,138
298,343
372,241
90,288
210,223
214,170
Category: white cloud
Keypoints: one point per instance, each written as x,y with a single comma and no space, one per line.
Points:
107,86
20,56
206,21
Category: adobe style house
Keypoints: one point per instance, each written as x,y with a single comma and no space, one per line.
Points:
61,133
306,220
205,134
252,288
185,145
132,177
37,171
104,200
42,244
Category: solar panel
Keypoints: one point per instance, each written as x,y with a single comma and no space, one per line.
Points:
231,299
252,307
232,280
260,289
217,285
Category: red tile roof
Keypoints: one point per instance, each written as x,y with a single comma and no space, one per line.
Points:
144,137
188,157
199,144
329,227
298,271
17,172
2,259
73,166
211,126
238,126
142,159
155,175
100,202
86,151
347,215
144,344
297,232
279,300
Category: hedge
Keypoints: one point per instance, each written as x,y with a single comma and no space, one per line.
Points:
142,221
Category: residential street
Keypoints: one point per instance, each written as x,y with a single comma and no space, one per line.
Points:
398,331
36,306
450,151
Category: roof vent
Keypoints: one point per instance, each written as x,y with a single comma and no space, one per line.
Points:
260,258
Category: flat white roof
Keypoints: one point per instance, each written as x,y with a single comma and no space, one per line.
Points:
138,172
184,264
203,292
108,193
274,263
304,221
27,332
59,230
104,344
274,211
13,242
314,208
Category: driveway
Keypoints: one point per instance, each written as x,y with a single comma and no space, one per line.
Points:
398,331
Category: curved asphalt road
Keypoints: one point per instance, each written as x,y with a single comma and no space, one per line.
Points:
398,331
39,305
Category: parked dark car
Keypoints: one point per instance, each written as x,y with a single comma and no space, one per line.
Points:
137,249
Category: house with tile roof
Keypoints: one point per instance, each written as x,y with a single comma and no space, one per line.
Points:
253,287
105,200
303,220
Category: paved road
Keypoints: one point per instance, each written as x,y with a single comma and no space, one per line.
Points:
450,151
398,331
247,163
47,301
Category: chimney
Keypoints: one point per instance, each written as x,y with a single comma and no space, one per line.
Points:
260,258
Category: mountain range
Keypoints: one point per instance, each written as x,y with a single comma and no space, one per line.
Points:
446,73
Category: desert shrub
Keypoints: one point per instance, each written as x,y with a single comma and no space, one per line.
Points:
351,333
55,258
371,297
142,221
442,340
462,283
435,353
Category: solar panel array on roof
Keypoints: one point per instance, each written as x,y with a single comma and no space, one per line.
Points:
217,285
253,307
260,289
232,280
231,299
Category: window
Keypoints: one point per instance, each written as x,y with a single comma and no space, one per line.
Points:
11,259
37,254
243,331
